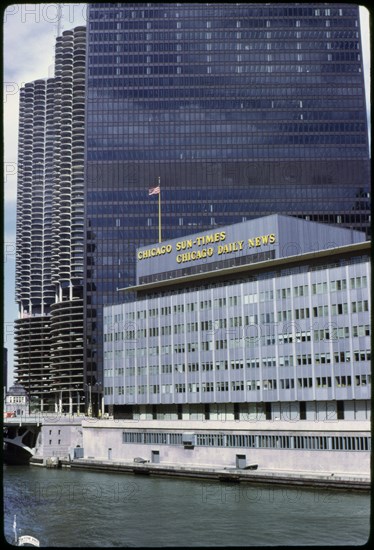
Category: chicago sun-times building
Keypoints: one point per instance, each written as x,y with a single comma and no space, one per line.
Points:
246,345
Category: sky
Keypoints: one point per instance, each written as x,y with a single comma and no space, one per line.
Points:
29,35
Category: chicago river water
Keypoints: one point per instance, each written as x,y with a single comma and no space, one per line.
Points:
88,509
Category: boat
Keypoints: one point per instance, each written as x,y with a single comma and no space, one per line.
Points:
24,540
15,454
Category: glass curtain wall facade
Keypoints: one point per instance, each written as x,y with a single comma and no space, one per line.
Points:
241,110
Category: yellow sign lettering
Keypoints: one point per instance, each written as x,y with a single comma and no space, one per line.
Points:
183,245
155,251
188,254
230,247
195,255
260,240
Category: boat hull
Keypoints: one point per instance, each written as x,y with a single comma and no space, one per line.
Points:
14,454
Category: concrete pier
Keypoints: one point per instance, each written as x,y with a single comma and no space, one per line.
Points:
229,475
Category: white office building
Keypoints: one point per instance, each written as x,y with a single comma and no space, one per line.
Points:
248,344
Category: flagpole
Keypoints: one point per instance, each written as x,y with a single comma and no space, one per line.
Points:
157,191
159,212
15,531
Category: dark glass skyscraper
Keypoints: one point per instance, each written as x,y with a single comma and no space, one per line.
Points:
241,110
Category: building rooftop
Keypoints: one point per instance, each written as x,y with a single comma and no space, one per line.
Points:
17,389
274,240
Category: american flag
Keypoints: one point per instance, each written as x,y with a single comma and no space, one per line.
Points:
154,190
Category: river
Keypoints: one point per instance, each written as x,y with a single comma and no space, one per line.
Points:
87,509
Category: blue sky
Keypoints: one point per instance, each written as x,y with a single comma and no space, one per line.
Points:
30,32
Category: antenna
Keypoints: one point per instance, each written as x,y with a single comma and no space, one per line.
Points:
59,20
58,29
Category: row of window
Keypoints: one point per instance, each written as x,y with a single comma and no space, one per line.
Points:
225,58
239,64
207,136
237,364
336,333
130,202
16,399
109,51
142,88
283,361
163,21
230,322
255,441
281,111
324,287
306,31
253,298
282,108
118,46
242,338
169,23
102,11
207,11
235,133
342,381
259,152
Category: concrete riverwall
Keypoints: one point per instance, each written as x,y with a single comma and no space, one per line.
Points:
101,446
103,440
58,437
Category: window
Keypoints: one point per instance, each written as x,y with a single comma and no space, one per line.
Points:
233,300
250,298
358,307
361,330
319,288
287,383
272,441
343,381
358,282
303,336
285,315
305,382
302,313
221,344
338,285
323,382
283,293
339,309
301,290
